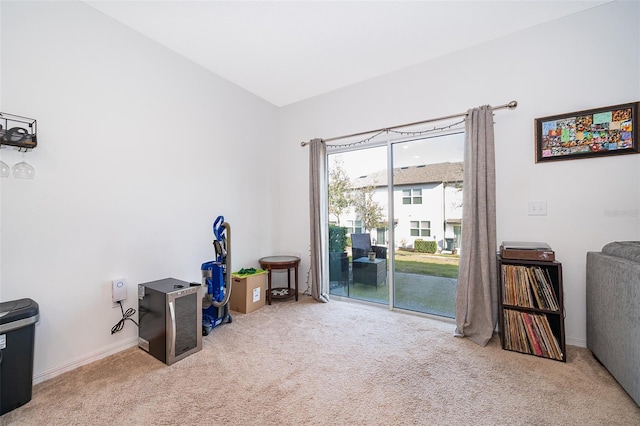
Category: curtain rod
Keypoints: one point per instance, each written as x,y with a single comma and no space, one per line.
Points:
510,105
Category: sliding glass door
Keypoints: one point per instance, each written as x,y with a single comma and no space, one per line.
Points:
395,215
358,217
427,216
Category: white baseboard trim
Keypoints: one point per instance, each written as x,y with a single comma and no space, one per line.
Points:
79,362
575,342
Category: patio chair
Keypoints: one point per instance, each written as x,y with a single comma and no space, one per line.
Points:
361,246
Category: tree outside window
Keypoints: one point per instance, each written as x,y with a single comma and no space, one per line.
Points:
367,209
339,191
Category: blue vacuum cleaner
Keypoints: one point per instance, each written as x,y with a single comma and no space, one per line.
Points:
216,276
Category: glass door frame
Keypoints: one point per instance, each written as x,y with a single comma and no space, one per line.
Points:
391,250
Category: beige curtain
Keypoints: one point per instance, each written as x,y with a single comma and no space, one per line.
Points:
476,297
318,212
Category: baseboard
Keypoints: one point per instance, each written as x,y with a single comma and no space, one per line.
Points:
575,342
79,362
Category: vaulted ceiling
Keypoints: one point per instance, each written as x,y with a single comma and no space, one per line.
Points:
287,51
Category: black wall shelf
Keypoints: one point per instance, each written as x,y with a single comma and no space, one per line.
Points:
17,131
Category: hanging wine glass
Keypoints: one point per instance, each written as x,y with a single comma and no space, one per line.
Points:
23,170
4,169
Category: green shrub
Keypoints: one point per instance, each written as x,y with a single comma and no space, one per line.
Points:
422,246
337,238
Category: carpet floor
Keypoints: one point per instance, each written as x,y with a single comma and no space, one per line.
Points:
295,363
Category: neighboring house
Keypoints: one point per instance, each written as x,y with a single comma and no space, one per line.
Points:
427,203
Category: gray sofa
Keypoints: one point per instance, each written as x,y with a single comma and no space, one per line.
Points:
613,311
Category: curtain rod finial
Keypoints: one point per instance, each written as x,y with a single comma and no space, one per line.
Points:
512,104
303,144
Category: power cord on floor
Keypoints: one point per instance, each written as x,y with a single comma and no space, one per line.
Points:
125,316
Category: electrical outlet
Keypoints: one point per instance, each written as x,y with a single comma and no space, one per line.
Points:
118,290
537,208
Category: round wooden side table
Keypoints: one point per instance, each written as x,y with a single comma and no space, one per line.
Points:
281,262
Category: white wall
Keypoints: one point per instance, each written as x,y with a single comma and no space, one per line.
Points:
139,151
587,60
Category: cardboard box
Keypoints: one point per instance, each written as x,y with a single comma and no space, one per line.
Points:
248,291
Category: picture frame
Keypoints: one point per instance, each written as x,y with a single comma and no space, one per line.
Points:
597,132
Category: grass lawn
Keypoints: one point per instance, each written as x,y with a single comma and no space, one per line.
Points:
436,265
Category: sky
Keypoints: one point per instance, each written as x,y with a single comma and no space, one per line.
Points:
438,149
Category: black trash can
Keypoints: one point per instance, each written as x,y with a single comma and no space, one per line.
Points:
449,242
17,331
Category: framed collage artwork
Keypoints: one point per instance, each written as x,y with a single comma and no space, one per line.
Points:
596,132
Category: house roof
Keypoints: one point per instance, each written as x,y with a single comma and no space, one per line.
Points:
425,173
